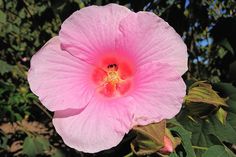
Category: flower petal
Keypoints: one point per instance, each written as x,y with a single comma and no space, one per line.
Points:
92,30
159,93
147,38
101,125
59,79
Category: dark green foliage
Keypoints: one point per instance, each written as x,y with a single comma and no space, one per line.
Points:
185,149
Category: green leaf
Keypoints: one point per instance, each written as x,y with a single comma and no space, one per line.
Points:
3,17
186,140
173,155
218,151
200,109
232,70
231,119
149,139
200,132
225,43
232,105
5,67
172,123
224,132
57,153
201,92
35,145
221,114
205,131
3,142
227,89
201,99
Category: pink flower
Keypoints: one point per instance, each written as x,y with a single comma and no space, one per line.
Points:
109,70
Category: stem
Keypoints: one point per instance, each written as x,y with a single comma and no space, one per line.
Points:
129,155
198,147
27,9
43,109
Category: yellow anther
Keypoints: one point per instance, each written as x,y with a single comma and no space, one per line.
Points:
112,77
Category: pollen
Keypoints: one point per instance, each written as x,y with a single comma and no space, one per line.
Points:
113,79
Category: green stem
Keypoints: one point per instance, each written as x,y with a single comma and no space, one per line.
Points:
198,147
129,155
43,109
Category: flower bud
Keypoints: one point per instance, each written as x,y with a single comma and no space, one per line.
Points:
168,146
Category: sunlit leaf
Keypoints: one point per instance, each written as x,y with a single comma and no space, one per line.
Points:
202,92
221,114
202,99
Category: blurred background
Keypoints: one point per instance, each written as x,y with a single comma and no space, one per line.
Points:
208,27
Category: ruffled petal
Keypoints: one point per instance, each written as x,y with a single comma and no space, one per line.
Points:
147,37
91,31
101,125
59,79
158,94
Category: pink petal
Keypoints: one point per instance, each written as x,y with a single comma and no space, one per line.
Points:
91,31
159,92
148,38
101,125
59,79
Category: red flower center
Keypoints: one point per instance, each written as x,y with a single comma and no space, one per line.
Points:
113,77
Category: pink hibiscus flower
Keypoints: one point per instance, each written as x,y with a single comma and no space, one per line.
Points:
109,70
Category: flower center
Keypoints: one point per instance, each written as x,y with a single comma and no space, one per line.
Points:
113,79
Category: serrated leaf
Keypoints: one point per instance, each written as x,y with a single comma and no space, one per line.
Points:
150,138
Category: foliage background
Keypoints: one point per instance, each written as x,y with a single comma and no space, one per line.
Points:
208,27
